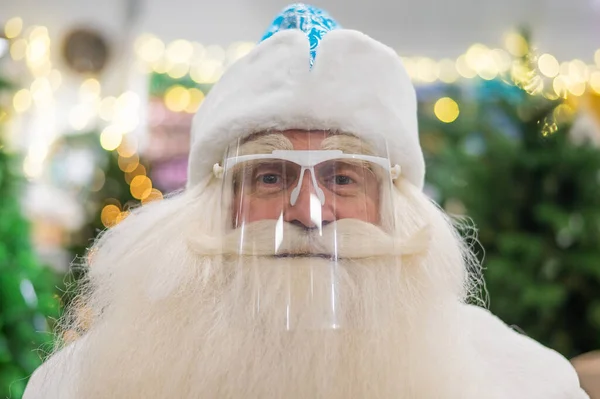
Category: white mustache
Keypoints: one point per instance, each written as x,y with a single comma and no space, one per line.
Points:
345,238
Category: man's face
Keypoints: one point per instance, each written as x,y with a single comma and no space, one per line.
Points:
350,190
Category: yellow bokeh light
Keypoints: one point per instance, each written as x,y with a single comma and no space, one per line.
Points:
90,88
516,44
447,71
129,164
564,68
578,71
178,70
107,108
22,100
577,88
487,68
521,74
563,113
18,49
207,72
41,90
411,67
155,195
13,27
128,147
427,70
446,109
597,58
55,79
38,50
140,187
140,170
149,48
502,59
179,51
196,98
129,101
160,66
109,215
40,69
595,81
464,69
474,55
38,32
110,138
560,85
548,65
177,98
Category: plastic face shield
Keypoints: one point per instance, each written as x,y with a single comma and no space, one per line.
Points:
302,205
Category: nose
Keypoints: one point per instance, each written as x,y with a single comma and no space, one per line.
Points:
307,211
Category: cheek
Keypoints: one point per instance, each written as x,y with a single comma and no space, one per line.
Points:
247,209
365,208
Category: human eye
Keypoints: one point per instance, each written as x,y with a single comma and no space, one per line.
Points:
269,178
342,180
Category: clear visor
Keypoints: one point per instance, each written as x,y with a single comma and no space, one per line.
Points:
301,212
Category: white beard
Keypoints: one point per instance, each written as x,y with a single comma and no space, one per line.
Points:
173,321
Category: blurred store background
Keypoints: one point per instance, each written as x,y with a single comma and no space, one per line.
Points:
97,99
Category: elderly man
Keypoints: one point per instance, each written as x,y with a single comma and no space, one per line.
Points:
303,259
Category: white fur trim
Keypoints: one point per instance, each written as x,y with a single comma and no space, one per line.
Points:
357,85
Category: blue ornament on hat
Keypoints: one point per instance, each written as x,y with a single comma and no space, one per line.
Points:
313,21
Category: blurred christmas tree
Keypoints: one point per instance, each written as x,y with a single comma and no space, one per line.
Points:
118,182
27,288
502,154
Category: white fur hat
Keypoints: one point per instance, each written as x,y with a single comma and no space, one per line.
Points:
350,83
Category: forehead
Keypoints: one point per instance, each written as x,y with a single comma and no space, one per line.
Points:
306,140
293,139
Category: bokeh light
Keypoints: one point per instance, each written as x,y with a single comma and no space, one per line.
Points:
427,70
110,138
18,49
109,215
464,69
578,71
140,187
155,195
179,51
90,89
595,81
13,27
149,48
177,98
447,71
560,86
22,100
196,98
107,108
548,65
516,44
128,147
446,110
129,164
140,170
